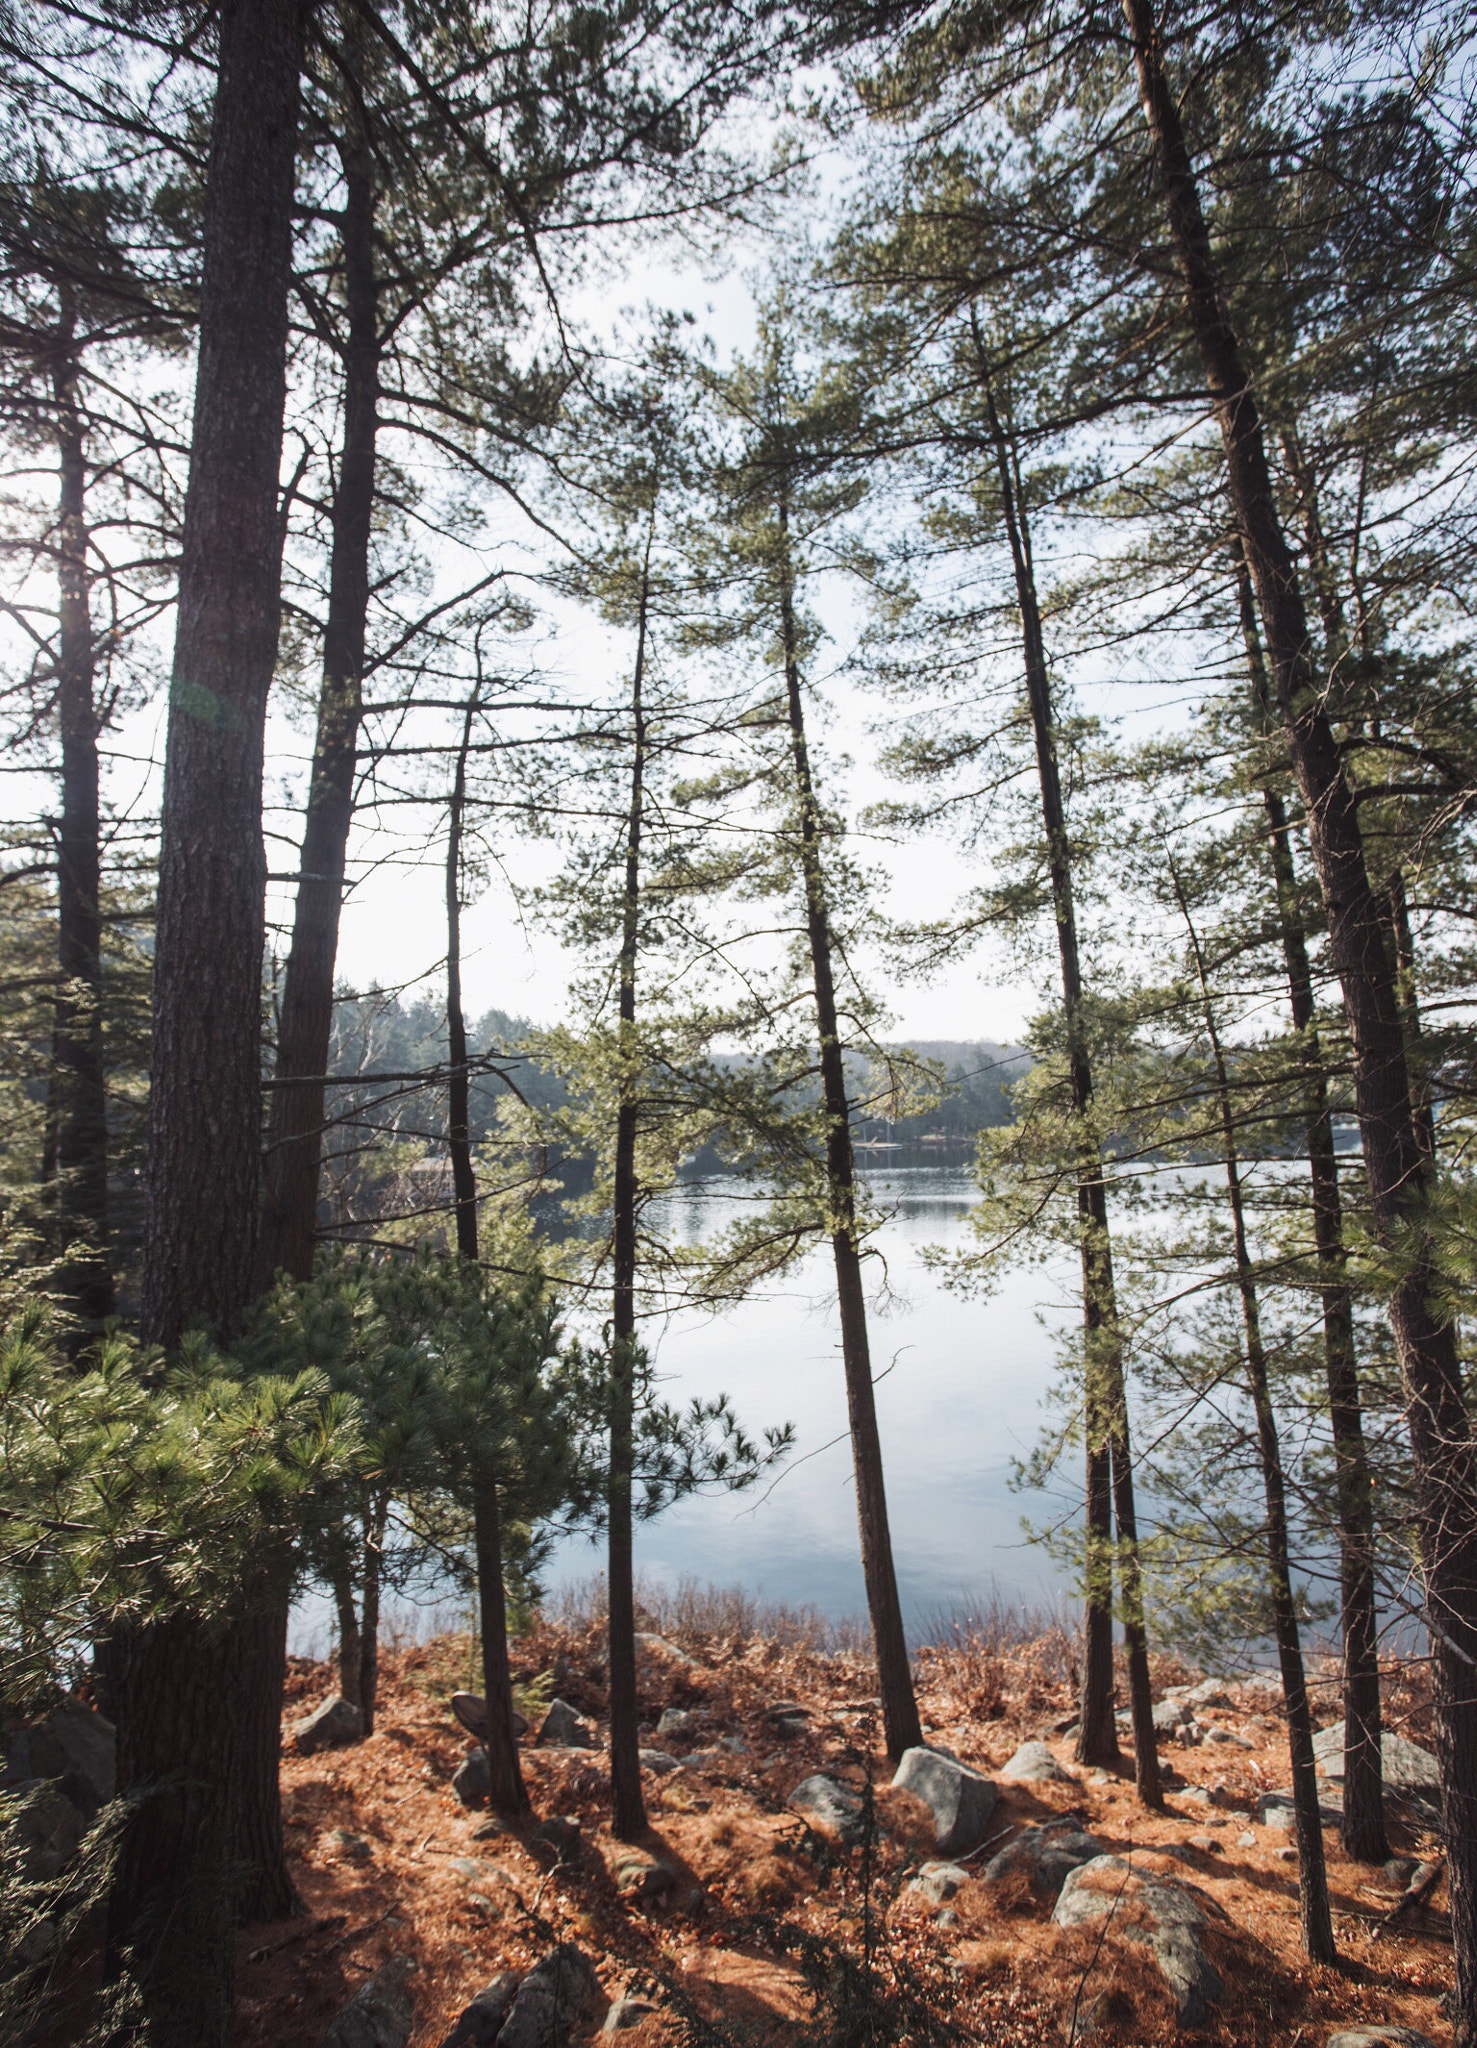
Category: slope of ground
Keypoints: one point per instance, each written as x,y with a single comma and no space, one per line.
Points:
771,1932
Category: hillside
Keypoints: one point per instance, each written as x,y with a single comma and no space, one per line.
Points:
738,1921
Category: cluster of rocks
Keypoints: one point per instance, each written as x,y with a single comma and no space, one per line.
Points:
537,2008
61,1772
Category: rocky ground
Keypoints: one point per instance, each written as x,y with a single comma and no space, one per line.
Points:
788,1889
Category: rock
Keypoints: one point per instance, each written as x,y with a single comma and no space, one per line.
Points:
472,1779
1047,1854
735,1745
562,1834
704,1760
1170,1716
42,1830
787,1727
626,2012
1246,1839
73,1745
494,1825
1286,1855
1154,1911
379,2015
830,1806
1210,1692
554,1995
1399,1871
960,1800
658,1762
939,1881
339,1842
1227,1735
1274,1810
36,1944
1379,2037
562,1728
1034,1764
1407,1767
676,1724
639,1875
479,2022
337,1722
471,1710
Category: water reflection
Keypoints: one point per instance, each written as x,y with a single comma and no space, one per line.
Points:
959,1394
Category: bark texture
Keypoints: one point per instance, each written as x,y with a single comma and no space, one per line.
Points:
195,1699
901,1725
1395,1159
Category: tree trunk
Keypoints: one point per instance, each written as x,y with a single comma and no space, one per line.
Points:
1317,1920
369,1626
350,1638
295,1141
1105,1392
507,1793
900,1721
1396,1161
629,1817
193,1697
1363,1825
79,1106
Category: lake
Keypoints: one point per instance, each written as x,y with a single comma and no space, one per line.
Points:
960,1392
959,1396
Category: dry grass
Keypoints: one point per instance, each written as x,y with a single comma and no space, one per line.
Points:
766,1924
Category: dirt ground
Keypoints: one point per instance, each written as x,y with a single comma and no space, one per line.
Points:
766,1931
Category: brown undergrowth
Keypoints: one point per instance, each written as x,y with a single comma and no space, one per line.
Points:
772,1933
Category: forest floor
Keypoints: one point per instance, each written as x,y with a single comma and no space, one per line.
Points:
770,1929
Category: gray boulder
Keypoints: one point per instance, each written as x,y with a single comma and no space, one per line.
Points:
1275,1810
658,1646
337,1722
939,1881
676,1724
553,1997
479,2022
379,2015
1379,2037
626,2012
642,1876
1170,1716
562,1728
562,1835
470,1708
1407,1767
1048,1855
73,1745
1160,1914
1034,1764
960,1800
829,1806
1210,1692
472,1779
658,1762
42,1830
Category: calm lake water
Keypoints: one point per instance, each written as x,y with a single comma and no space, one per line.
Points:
960,1391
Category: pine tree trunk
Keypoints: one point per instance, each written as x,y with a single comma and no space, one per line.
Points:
1363,1825
1317,1920
350,1640
1105,1393
80,1104
901,1726
295,1142
1395,1159
628,1802
507,1793
192,1699
369,1625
